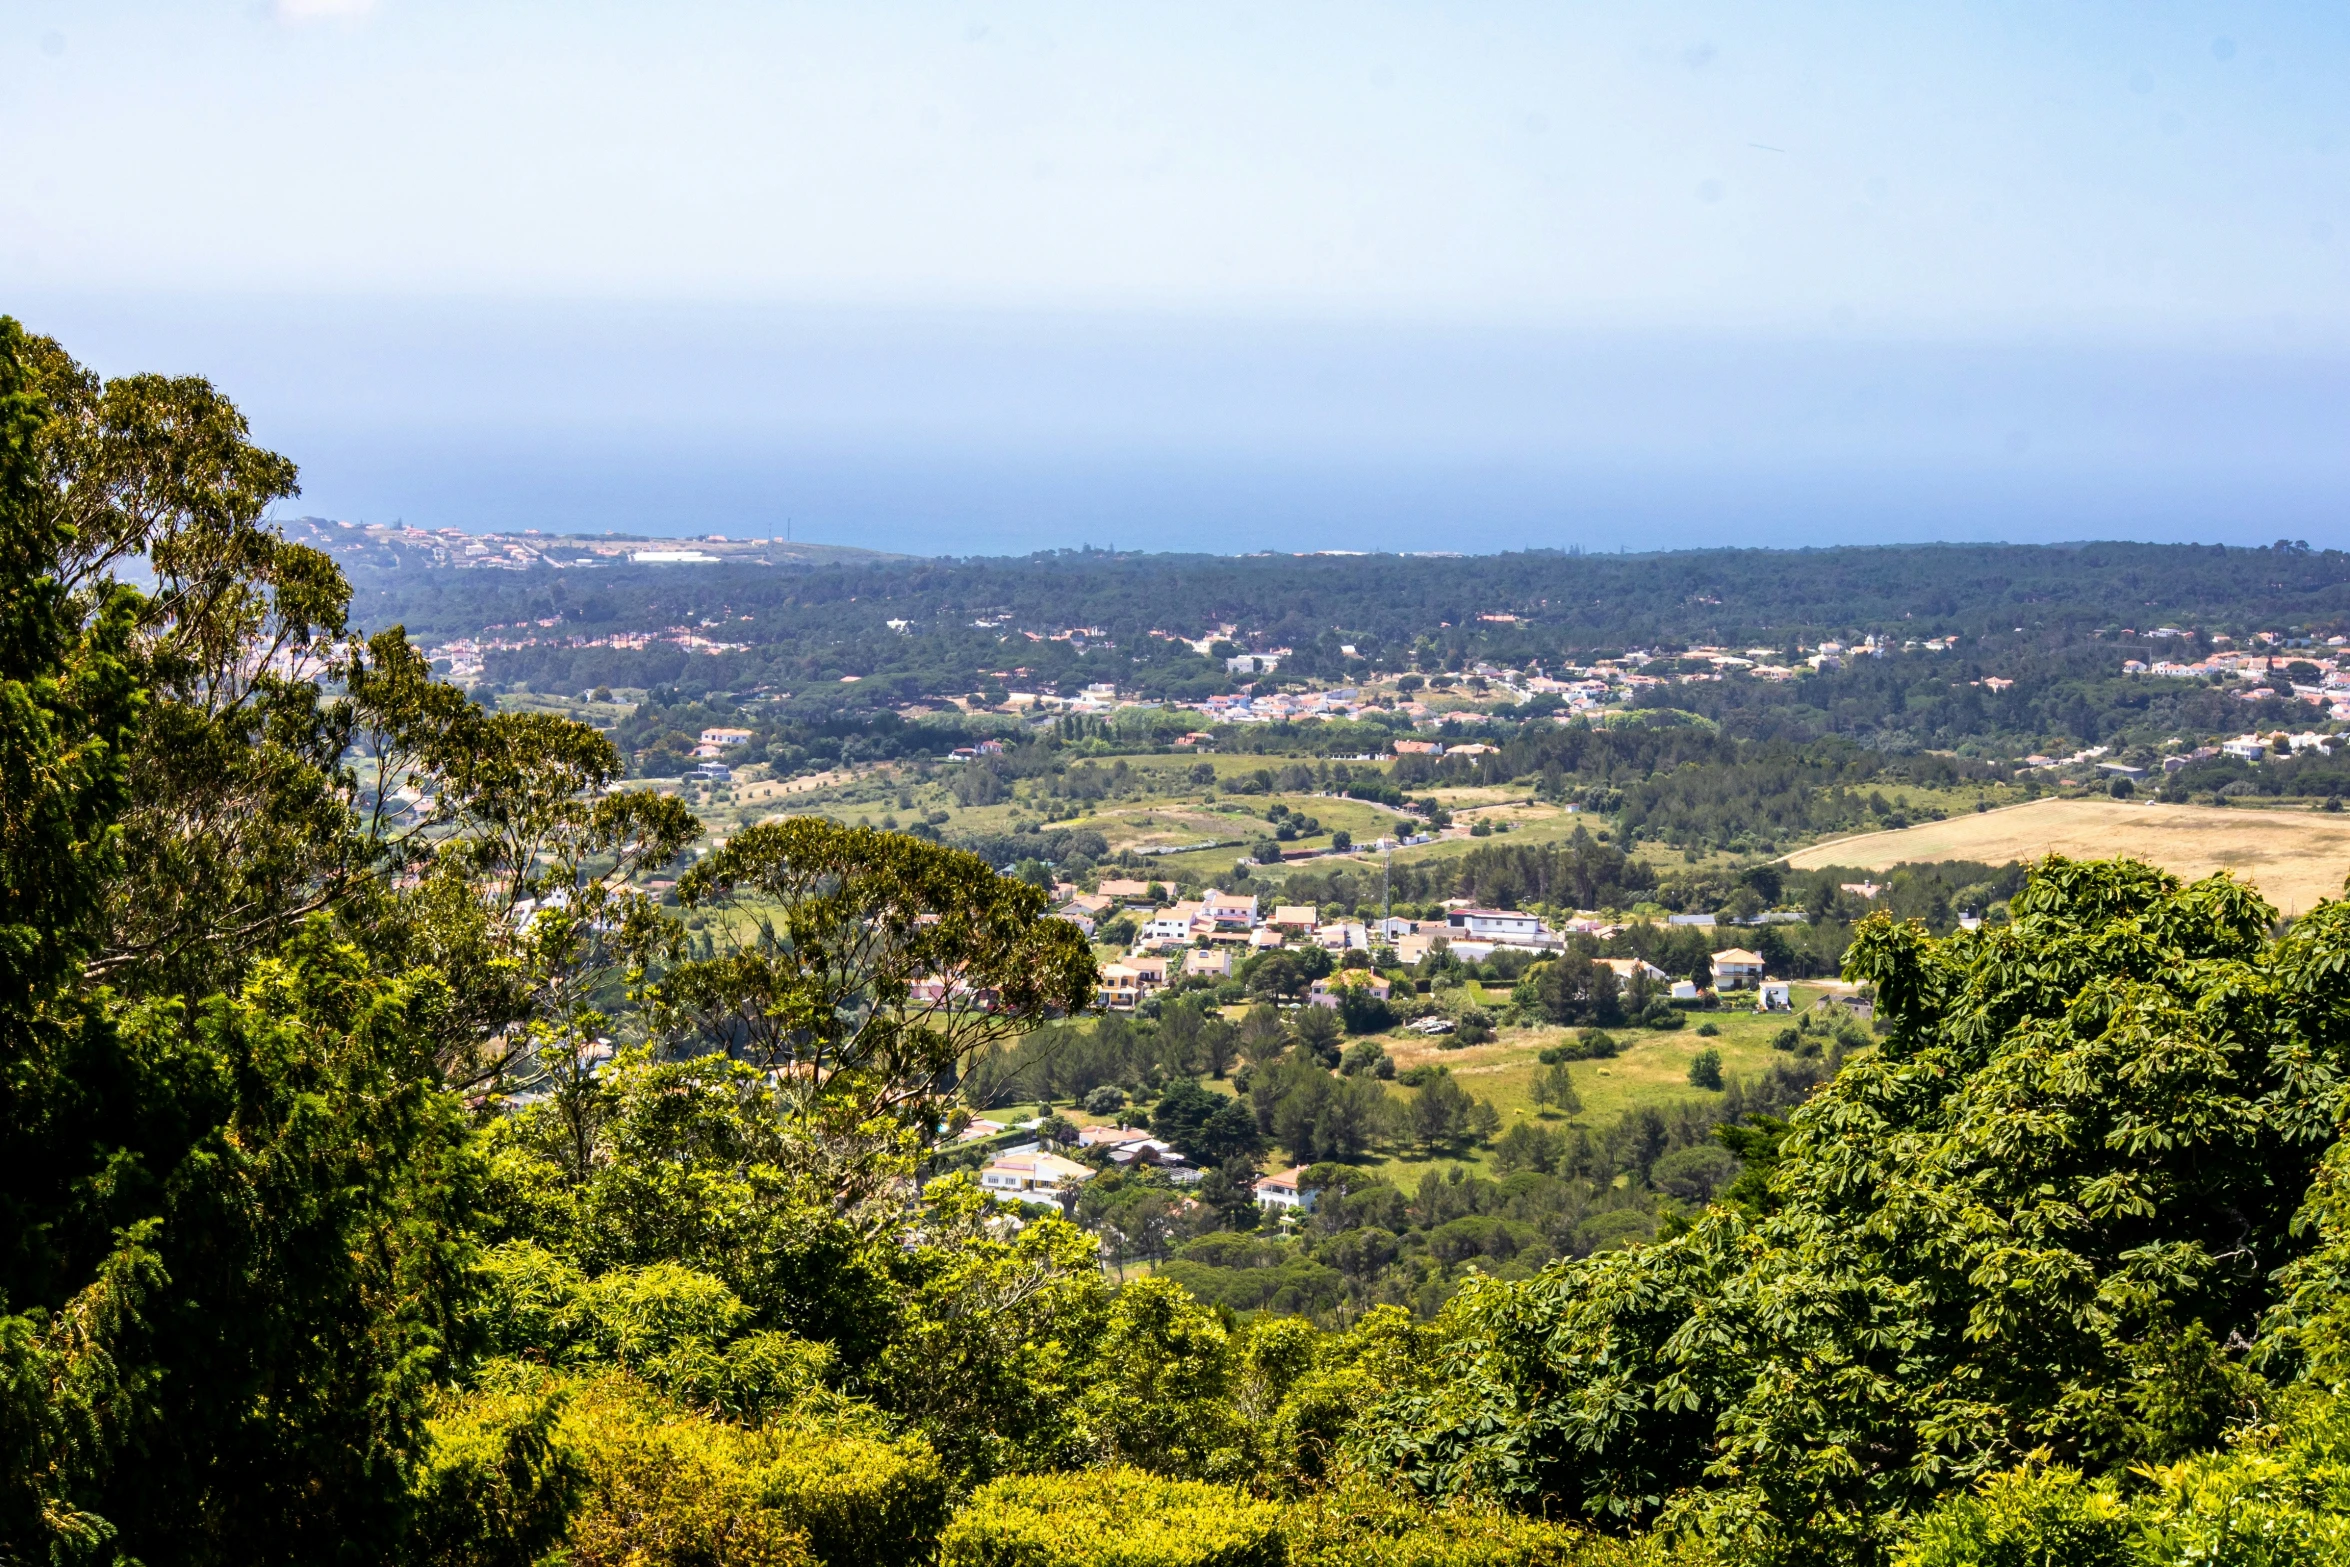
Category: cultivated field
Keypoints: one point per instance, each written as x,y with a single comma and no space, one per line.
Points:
2293,857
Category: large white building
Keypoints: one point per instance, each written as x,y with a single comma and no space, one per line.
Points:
1287,1191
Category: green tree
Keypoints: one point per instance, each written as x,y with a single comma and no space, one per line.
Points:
1159,1396
2027,1224
869,968
233,1193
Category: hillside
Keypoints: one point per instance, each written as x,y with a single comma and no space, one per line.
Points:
2295,857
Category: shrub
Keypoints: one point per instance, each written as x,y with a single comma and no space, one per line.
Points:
649,1483
1113,1518
862,1502
668,1489
1705,1069
1589,1044
494,1485
1365,1526
1108,1099
2025,1518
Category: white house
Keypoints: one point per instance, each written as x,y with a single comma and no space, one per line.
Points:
1773,995
1343,936
1625,968
1287,1191
1168,930
1495,924
1222,913
1325,991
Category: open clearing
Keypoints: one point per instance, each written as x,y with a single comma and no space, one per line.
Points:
2293,857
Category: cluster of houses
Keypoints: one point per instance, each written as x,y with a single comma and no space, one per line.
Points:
2330,690
1210,935
1031,1172
1598,687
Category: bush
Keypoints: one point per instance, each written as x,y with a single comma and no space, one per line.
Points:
1708,1029
1113,1518
1367,1057
1705,1070
1360,1526
2025,1518
669,1486
1589,1044
495,1486
1108,1099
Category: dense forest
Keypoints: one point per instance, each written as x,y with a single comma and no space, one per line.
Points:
833,648
390,1186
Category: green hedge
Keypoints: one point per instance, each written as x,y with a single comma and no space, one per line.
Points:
1113,1518
1361,1526
861,1502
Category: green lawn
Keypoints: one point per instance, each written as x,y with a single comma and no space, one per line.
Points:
1653,1069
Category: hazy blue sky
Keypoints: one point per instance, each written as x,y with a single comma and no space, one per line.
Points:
980,277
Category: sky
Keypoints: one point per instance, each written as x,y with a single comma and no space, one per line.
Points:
981,279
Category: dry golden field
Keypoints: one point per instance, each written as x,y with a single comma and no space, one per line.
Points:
2294,857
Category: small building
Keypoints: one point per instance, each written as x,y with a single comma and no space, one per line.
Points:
1287,1191
1039,1173
1148,1151
1209,961
1295,916
1735,968
1502,925
1343,936
726,738
1262,937
1167,930
1222,913
1113,887
1122,987
1686,990
1325,991
1774,995
1625,968
1111,1136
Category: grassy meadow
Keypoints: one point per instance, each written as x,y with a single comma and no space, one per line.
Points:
2294,856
